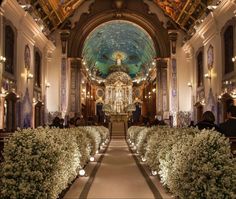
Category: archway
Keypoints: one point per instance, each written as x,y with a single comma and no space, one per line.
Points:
135,11
10,114
38,114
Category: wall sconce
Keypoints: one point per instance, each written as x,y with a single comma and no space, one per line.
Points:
47,85
190,84
30,76
203,102
34,100
208,76
2,59
234,58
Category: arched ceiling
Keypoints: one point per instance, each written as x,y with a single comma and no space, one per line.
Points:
116,40
54,12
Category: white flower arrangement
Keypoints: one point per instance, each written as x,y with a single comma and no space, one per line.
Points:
104,132
183,118
205,167
40,163
95,138
133,132
190,163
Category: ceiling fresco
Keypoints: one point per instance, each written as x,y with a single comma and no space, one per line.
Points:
184,12
54,12
118,44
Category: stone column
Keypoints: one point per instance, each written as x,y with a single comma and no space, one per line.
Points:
162,104
173,35
75,86
64,76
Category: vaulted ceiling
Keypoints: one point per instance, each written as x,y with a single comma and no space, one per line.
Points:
121,40
52,13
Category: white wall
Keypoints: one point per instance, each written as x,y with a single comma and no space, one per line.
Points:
209,33
28,33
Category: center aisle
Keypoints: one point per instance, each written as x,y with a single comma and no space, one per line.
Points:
119,176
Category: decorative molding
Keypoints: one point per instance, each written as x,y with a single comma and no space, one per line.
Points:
25,23
136,11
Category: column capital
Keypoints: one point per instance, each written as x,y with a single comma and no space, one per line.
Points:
64,39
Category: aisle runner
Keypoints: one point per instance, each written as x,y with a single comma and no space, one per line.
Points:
119,176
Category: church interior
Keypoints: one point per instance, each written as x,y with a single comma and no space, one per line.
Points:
116,89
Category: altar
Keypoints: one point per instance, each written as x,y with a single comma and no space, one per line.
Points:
121,117
119,125
118,92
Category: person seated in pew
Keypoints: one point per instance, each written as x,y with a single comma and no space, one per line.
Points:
207,122
228,128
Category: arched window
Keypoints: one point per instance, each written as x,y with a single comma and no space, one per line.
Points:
9,49
200,69
228,49
37,69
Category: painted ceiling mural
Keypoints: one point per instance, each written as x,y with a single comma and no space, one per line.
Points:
184,12
118,45
54,12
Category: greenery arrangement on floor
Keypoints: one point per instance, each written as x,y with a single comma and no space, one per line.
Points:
191,163
42,162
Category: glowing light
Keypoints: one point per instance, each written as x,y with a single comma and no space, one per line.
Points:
97,152
189,84
154,173
92,159
2,59
144,159
82,172
234,59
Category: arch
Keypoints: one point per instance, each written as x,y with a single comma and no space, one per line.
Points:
200,67
10,114
38,114
136,11
228,46
10,49
37,67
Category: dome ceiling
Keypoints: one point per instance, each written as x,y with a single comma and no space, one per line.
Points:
54,12
118,43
